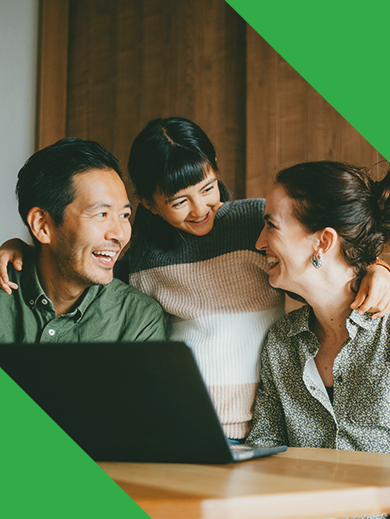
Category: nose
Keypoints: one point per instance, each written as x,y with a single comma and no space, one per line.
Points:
198,207
261,243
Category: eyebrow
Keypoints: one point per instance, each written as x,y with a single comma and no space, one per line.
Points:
270,218
172,198
102,205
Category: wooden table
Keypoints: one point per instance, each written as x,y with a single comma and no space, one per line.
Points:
297,484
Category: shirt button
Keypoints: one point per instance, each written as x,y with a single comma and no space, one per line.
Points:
52,332
32,302
44,301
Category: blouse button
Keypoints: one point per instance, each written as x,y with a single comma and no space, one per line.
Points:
52,332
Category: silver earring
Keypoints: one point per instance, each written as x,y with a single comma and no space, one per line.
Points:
316,260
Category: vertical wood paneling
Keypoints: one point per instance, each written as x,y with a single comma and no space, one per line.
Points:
325,129
355,148
287,122
131,61
261,121
291,116
232,131
129,88
80,70
52,72
92,71
104,72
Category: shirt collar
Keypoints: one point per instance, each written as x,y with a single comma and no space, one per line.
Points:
90,295
364,321
301,323
34,293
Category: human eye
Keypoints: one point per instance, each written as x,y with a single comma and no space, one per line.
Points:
101,215
209,188
178,203
126,215
269,224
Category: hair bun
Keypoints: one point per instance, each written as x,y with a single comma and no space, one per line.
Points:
376,189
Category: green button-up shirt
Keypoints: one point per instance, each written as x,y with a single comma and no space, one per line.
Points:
112,312
292,405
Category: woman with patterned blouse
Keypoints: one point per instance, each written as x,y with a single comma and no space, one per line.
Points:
325,377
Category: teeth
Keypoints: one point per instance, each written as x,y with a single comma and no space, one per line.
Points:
109,253
272,260
200,219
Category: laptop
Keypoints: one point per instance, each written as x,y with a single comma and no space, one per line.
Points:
143,402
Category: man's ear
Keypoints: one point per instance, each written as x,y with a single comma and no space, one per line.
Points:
148,205
328,239
40,223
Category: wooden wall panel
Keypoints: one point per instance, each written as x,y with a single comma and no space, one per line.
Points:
325,129
287,122
131,61
123,62
356,149
292,116
92,71
52,72
261,115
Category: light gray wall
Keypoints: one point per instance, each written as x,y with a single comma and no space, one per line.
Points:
18,65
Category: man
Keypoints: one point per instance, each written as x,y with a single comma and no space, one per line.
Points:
74,202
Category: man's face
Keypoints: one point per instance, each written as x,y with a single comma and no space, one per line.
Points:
95,229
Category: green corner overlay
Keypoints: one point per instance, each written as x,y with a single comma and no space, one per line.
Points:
44,474
341,48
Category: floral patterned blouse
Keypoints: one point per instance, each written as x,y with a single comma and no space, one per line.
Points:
292,406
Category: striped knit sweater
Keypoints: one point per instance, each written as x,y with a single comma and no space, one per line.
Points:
215,291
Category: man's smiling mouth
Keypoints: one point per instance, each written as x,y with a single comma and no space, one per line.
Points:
109,253
105,258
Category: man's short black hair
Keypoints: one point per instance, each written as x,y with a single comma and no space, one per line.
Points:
45,180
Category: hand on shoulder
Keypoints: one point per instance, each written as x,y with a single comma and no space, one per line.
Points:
10,252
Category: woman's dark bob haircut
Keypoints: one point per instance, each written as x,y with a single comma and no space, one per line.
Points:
170,155
342,196
167,156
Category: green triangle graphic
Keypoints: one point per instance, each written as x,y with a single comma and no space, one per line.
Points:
44,474
341,48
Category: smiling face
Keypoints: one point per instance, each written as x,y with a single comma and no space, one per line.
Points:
287,244
96,227
192,209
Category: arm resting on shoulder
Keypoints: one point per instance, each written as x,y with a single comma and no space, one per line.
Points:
374,291
11,251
